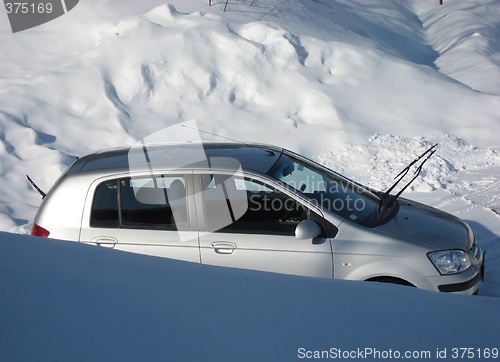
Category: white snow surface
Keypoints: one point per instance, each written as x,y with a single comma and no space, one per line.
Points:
63,301
360,86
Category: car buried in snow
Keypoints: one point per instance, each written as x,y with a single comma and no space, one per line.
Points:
258,207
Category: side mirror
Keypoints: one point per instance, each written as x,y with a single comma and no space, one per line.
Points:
307,229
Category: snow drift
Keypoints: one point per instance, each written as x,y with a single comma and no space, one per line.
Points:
65,301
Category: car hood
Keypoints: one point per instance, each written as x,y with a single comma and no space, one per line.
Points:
428,226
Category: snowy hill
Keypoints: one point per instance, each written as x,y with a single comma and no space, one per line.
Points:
361,86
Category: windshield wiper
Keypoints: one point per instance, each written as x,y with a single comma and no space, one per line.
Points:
404,172
43,194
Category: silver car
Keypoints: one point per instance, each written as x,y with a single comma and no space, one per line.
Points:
257,207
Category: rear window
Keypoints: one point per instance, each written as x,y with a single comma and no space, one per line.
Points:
141,203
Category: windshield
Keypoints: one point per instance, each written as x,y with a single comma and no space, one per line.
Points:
332,191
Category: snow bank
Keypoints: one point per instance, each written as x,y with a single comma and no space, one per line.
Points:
66,301
458,167
466,41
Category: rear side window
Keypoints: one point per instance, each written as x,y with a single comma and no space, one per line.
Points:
141,203
105,206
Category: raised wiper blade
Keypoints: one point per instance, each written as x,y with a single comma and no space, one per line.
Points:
43,194
405,171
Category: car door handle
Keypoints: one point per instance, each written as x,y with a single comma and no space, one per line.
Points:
223,247
107,242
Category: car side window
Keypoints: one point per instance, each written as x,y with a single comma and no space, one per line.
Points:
105,206
268,211
141,203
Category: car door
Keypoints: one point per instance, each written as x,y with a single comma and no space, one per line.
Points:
246,223
147,215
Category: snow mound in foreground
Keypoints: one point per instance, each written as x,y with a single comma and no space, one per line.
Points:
67,301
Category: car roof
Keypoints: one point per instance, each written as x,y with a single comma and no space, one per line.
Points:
191,155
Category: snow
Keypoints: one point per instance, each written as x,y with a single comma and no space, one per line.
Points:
362,87
67,301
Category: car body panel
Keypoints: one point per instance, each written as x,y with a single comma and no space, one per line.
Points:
272,253
426,225
176,244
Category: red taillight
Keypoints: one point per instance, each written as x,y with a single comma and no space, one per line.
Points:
39,231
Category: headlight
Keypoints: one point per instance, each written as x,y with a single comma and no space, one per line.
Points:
450,261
